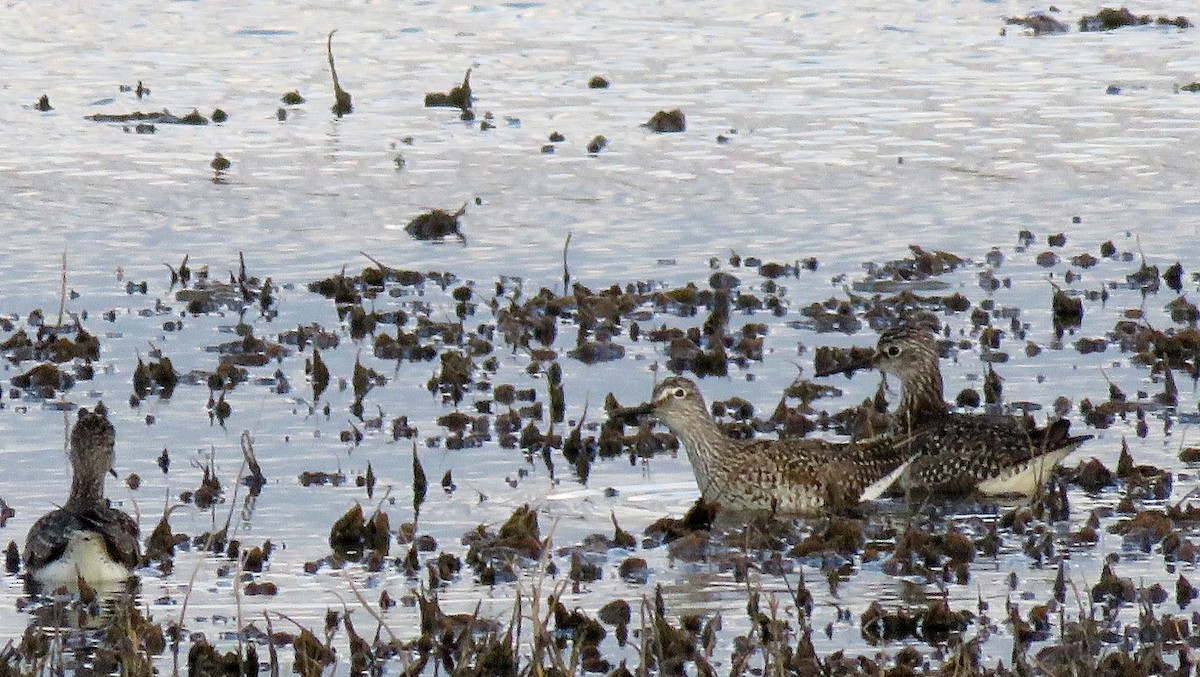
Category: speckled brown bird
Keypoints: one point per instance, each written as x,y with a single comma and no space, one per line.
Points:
87,538
793,476
959,452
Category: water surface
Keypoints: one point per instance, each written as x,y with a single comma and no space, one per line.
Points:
852,132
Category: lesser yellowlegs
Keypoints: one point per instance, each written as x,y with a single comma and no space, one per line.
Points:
796,476
959,452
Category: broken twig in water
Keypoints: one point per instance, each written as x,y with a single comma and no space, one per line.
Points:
341,104
566,271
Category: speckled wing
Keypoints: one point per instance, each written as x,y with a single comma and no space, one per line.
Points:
958,451
880,461
48,538
809,475
120,533
49,535
769,475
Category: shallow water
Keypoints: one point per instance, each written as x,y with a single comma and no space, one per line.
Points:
853,132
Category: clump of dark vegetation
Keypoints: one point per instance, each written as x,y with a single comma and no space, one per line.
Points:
667,121
70,346
355,536
437,225
470,332
493,554
140,90
1068,311
1108,19
1040,23
158,376
44,380
459,96
209,492
163,117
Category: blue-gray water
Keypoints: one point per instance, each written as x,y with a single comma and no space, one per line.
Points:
820,103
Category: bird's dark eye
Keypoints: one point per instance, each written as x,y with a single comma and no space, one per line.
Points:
680,393
892,351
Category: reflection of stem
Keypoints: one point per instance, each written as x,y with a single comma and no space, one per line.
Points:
187,596
208,544
62,292
365,605
237,598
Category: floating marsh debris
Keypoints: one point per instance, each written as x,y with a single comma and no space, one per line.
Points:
1173,276
493,347
354,536
437,225
249,351
181,275
161,544
1108,19
255,480
158,377
362,380
667,121
209,493
319,374
52,344
420,484
163,117
1068,311
140,90
44,380
1040,23
458,96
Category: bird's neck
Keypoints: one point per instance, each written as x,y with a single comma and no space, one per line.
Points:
921,399
703,441
87,489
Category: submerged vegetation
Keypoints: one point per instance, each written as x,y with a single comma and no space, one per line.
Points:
499,575
724,324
